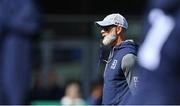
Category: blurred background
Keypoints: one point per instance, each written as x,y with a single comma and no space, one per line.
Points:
68,44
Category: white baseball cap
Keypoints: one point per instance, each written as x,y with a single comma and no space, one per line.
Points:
113,19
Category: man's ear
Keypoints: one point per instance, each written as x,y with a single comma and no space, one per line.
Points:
119,30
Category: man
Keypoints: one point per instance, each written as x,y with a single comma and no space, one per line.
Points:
159,55
118,74
19,22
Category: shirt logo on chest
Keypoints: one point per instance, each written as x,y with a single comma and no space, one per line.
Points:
113,66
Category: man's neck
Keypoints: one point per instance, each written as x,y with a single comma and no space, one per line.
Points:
119,40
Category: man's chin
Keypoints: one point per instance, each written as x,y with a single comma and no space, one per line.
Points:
107,46
106,43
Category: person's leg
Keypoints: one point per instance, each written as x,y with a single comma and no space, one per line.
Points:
17,68
2,34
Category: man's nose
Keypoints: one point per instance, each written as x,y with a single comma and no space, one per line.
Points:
102,31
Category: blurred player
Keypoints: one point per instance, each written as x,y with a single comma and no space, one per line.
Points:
118,74
159,55
19,21
72,94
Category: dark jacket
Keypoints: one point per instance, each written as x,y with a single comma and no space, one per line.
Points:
116,89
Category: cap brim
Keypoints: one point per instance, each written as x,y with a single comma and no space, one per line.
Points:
103,23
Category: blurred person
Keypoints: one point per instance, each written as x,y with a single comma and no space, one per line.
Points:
96,93
38,91
119,72
19,22
159,55
54,91
50,91
72,94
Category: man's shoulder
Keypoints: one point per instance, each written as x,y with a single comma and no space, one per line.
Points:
129,60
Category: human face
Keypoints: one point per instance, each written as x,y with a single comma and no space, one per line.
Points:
73,91
109,34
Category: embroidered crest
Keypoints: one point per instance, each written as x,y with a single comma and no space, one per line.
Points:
113,66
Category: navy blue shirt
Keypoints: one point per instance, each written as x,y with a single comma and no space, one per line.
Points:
159,59
116,90
20,16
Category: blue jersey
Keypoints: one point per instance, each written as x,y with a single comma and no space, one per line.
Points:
159,55
19,16
116,89
19,23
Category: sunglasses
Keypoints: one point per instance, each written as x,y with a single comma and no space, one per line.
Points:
107,28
